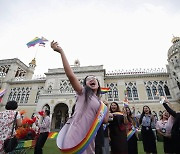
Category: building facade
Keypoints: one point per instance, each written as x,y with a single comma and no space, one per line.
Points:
54,91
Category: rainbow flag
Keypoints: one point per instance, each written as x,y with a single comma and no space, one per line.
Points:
25,144
33,42
104,90
2,92
52,135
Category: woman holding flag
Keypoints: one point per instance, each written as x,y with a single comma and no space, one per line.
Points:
117,129
78,134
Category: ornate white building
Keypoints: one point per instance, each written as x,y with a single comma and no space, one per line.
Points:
53,91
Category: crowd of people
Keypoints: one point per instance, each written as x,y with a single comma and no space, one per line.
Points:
125,129
97,127
117,128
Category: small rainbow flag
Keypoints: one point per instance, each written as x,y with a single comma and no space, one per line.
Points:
2,92
33,42
25,144
104,90
52,134
37,40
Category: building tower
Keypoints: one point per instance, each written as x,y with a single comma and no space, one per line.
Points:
31,68
173,67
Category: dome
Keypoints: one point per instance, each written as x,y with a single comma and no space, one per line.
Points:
77,62
175,48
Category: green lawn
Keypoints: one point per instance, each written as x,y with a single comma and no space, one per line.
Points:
51,148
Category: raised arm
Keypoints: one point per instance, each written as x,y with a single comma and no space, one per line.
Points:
171,112
69,72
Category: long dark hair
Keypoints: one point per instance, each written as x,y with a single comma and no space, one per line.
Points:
117,110
143,113
89,92
129,116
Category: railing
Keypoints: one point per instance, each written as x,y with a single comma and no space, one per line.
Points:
137,71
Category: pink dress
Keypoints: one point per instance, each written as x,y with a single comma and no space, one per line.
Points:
80,123
6,124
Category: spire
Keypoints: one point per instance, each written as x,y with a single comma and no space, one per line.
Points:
33,63
77,62
175,39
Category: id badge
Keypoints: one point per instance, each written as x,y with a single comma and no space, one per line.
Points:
163,130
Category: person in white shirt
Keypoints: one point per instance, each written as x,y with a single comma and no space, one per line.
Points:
44,128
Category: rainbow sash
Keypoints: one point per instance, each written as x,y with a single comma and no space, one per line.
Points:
80,147
131,133
52,134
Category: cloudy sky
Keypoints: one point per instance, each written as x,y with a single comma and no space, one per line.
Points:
118,34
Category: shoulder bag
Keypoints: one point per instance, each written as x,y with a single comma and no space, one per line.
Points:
11,142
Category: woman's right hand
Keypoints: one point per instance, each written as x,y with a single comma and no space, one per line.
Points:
56,47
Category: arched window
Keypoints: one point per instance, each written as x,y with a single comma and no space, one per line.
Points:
38,93
110,95
18,96
113,94
155,89
160,90
134,90
14,96
22,97
129,93
148,90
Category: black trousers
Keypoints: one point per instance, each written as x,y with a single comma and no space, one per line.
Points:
40,142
